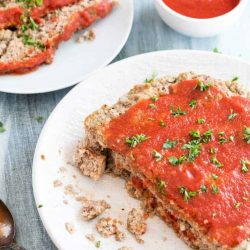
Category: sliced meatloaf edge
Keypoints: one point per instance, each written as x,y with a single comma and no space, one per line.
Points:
11,11
94,142
18,56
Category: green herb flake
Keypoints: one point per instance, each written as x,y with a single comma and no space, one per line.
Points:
201,121
193,104
39,119
237,205
214,176
213,150
194,134
194,147
203,189
216,50
155,98
215,189
207,136
235,79
151,78
187,195
245,164
232,115
216,162
135,140
161,185
158,156
177,111
203,86
162,123
40,206
2,128
98,244
152,106
247,135
169,144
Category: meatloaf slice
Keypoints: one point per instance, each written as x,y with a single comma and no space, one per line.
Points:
12,10
21,52
189,211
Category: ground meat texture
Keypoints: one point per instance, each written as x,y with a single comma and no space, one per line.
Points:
90,163
91,209
108,227
125,248
136,223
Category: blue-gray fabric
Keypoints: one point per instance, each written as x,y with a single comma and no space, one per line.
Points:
18,113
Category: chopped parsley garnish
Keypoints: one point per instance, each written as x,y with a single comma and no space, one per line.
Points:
187,195
213,150
39,119
194,147
235,79
195,134
203,189
155,98
177,111
175,161
216,50
158,156
98,244
232,115
222,138
40,206
151,79
2,128
169,144
203,86
134,140
161,185
216,162
247,134
193,104
245,164
162,123
201,121
207,136
237,205
215,189
214,176
152,106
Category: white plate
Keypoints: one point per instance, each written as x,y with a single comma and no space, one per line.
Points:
73,62
64,128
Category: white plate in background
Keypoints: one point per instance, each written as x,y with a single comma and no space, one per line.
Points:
64,129
74,61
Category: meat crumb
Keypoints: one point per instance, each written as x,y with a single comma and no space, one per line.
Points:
125,248
88,35
136,224
91,209
57,183
109,227
69,190
65,202
43,157
69,227
90,237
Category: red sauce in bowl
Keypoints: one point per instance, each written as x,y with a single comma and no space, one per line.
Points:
202,8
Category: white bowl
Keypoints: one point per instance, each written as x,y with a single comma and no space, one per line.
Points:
199,27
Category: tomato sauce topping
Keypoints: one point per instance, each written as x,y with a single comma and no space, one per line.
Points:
194,146
202,8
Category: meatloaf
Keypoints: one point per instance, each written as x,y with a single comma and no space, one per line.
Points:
184,145
12,10
21,52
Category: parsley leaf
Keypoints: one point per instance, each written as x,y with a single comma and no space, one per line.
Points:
203,86
177,111
232,115
187,195
193,104
158,156
169,144
135,140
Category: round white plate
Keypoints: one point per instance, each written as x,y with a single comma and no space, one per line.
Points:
73,62
64,129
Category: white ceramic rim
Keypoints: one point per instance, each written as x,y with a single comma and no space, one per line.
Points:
241,4
65,99
77,81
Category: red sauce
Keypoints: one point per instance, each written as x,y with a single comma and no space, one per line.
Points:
202,8
225,215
